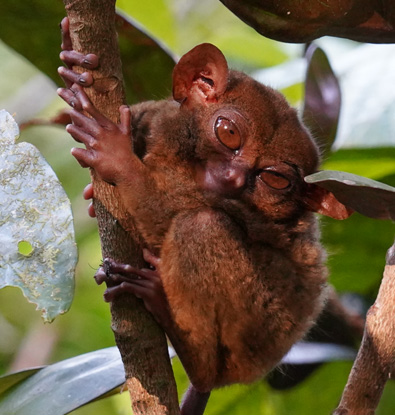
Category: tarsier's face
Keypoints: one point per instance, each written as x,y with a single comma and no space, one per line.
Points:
254,149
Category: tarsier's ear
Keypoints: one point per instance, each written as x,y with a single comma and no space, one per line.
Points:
337,194
324,202
201,76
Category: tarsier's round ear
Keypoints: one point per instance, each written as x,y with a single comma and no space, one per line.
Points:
201,76
324,202
338,194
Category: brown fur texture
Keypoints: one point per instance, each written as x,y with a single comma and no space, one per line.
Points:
215,181
243,275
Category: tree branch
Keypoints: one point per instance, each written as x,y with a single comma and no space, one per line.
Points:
375,361
141,342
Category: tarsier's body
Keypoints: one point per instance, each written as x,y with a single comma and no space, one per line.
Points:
240,291
216,188
243,282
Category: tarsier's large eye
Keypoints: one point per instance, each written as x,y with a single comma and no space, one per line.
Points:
274,179
227,133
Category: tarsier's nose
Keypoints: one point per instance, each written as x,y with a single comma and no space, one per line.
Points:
233,181
235,177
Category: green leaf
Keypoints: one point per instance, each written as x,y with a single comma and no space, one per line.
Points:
182,25
62,387
322,98
155,15
366,196
8,381
37,249
357,248
374,163
147,65
32,29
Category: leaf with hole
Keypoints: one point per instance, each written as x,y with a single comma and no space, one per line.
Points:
38,253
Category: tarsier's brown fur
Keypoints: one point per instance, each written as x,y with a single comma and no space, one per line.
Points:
241,262
244,277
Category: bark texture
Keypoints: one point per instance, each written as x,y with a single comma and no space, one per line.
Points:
376,357
141,342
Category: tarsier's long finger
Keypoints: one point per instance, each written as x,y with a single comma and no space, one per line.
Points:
88,194
73,58
120,273
138,291
90,108
70,77
131,272
91,210
125,118
70,98
84,157
87,125
80,133
100,276
65,28
128,270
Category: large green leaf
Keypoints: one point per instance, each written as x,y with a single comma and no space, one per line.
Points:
368,197
8,381
147,65
62,387
37,249
357,246
322,99
183,25
155,15
365,73
32,29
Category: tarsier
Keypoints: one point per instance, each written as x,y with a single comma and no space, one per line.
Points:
214,180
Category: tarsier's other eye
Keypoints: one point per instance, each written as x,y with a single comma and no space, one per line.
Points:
227,133
274,179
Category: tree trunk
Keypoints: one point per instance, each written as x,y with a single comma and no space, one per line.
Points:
374,364
141,342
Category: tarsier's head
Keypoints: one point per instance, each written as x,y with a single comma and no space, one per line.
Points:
251,146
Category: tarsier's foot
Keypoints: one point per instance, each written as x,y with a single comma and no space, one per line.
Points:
144,283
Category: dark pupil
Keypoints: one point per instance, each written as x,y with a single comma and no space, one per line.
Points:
227,134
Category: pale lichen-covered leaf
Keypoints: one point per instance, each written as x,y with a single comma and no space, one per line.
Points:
37,248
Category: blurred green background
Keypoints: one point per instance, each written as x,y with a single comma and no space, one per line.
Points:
365,146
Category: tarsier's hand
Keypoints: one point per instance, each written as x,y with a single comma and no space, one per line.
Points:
88,195
71,58
108,145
